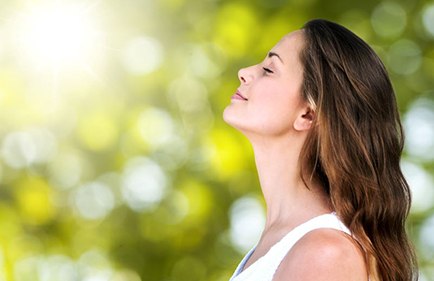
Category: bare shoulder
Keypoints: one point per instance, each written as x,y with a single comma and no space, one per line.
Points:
323,255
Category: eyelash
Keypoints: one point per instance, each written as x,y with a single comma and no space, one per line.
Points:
267,70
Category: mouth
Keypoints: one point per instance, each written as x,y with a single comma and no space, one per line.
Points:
238,96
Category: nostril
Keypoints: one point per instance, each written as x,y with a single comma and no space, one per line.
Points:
244,76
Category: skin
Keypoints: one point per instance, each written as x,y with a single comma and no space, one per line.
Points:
276,120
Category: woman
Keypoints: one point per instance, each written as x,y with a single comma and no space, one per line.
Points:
321,115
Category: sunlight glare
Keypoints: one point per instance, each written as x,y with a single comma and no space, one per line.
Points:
58,35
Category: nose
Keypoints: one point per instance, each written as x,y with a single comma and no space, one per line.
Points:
244,76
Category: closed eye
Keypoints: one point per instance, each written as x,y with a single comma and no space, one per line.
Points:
267,70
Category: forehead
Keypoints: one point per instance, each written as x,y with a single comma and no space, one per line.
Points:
290,45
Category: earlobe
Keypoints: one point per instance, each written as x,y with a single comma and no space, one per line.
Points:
304,121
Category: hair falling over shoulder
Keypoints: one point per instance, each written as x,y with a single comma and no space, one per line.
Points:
355,146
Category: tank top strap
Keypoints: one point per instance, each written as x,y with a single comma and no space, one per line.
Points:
265,267
331,221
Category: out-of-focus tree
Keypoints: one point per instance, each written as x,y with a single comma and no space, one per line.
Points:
115,163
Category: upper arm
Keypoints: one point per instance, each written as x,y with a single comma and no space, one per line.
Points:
323,255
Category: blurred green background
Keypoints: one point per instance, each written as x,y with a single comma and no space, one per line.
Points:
115,163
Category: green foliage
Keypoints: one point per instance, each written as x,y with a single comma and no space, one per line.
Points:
115,163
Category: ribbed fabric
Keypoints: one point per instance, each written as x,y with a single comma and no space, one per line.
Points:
265,267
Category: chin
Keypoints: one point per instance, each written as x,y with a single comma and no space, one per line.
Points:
227,116
230,118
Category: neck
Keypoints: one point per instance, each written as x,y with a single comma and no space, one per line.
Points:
289,201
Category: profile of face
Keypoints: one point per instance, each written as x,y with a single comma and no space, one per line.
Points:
268,101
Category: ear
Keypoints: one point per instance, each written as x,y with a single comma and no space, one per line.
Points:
304,120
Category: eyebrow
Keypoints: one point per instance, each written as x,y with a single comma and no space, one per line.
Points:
272,54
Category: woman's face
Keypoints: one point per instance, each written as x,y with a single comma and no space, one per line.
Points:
269,101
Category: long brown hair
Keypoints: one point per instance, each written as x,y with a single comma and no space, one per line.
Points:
355,145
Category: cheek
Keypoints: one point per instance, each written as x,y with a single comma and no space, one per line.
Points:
271,110
277,100
274,114
276,119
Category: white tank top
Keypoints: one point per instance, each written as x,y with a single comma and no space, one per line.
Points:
264,268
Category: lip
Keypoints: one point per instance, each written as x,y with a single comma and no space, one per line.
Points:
238,96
